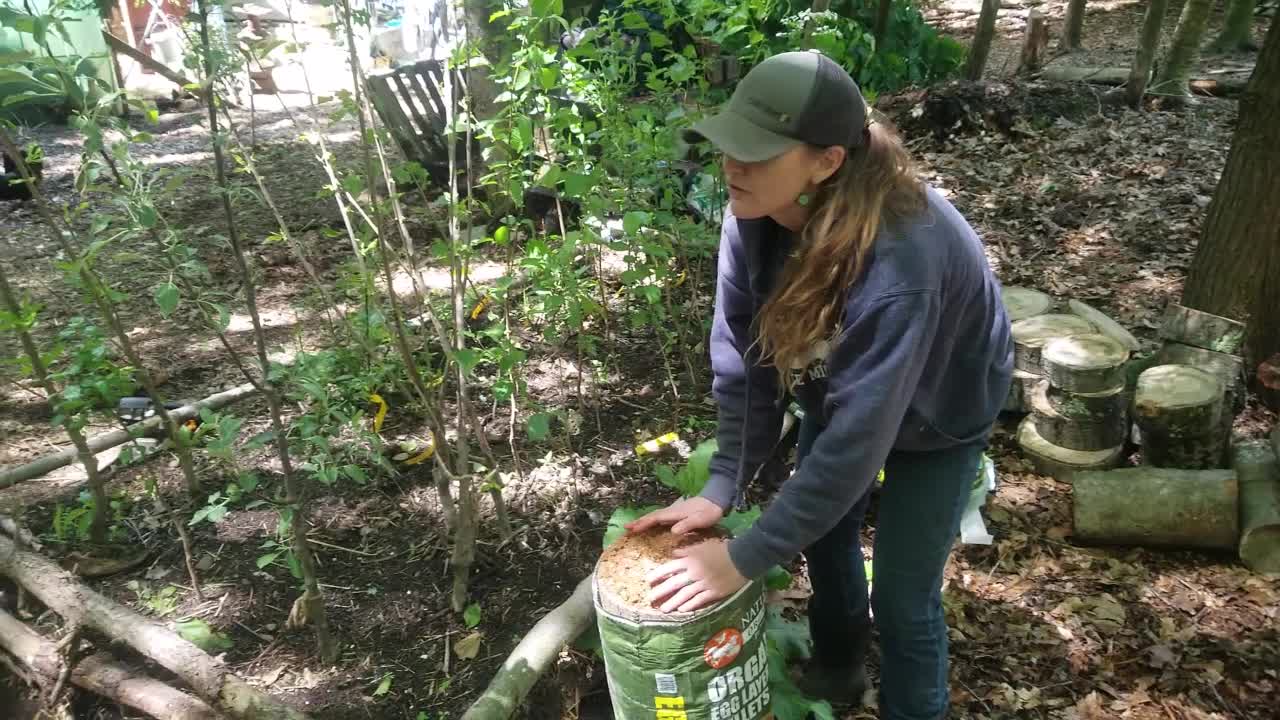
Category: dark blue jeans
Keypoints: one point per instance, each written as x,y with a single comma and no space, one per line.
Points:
918,518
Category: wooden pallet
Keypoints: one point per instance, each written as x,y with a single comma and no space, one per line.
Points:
410,101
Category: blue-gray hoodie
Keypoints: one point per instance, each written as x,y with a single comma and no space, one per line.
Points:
923,361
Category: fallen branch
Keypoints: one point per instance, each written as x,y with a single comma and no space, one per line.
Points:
1220,87
100,674
534,654
145,60
98,443
79,605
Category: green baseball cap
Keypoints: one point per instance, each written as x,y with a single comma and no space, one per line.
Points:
790,99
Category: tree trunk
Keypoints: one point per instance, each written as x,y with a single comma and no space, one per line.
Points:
100,674
981,47
1184,50
61,592
1236,270
1148,43
883,12
1157,507
1237,28
1258,469
1073,31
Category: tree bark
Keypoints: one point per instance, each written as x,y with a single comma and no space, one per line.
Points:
1221,86
1073,31
61,592
100,674
1184,50
1237,28
1073,432
1148,43
535,653
1236,269
1059,462
884,11
1157,507
981,47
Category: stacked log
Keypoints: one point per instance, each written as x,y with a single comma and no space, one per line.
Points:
1179,409
1078,415
1256,465
1020,304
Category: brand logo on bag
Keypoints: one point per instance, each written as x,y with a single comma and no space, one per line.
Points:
723,648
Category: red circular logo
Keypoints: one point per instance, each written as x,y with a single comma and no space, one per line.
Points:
723,648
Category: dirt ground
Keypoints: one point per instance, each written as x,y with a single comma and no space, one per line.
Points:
1079,201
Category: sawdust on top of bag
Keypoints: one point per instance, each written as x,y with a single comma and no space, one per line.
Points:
625,565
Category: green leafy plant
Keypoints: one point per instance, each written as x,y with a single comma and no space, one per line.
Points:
199,633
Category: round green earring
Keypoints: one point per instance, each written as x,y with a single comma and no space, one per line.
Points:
804,199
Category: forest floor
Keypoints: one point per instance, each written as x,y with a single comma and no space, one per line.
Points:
1080,201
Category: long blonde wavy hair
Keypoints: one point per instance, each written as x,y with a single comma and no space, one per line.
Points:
877,182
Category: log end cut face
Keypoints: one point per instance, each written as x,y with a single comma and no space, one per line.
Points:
1021,303
1086,352
1175,387
1039,330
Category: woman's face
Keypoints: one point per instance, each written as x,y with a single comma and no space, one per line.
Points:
770,188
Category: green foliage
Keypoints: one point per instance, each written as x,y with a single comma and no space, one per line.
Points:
620,517
199,633
471,616
160,602
691,478
90,379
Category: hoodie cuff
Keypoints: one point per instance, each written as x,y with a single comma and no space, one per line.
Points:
720,490
750,556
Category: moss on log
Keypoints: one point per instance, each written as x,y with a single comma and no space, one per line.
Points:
1157,507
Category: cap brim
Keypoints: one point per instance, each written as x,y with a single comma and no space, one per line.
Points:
740,139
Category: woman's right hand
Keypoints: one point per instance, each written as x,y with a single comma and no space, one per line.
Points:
683,516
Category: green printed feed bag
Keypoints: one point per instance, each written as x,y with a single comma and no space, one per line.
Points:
711,664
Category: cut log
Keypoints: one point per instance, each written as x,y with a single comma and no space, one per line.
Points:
1033,333
1258,469
1075,434
535,653
79,605
1205,452
1035,42
1228,368
1105,324
100,674
1222,86
1158,507
1089,407
1178,401
1059,462
1085,363
98,443
1200,329
1020,391
1179,411
1021,303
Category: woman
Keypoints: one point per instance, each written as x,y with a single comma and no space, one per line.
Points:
846,281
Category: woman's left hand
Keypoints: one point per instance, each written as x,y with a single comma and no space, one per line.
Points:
700,575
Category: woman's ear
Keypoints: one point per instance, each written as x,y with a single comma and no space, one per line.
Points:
828,163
